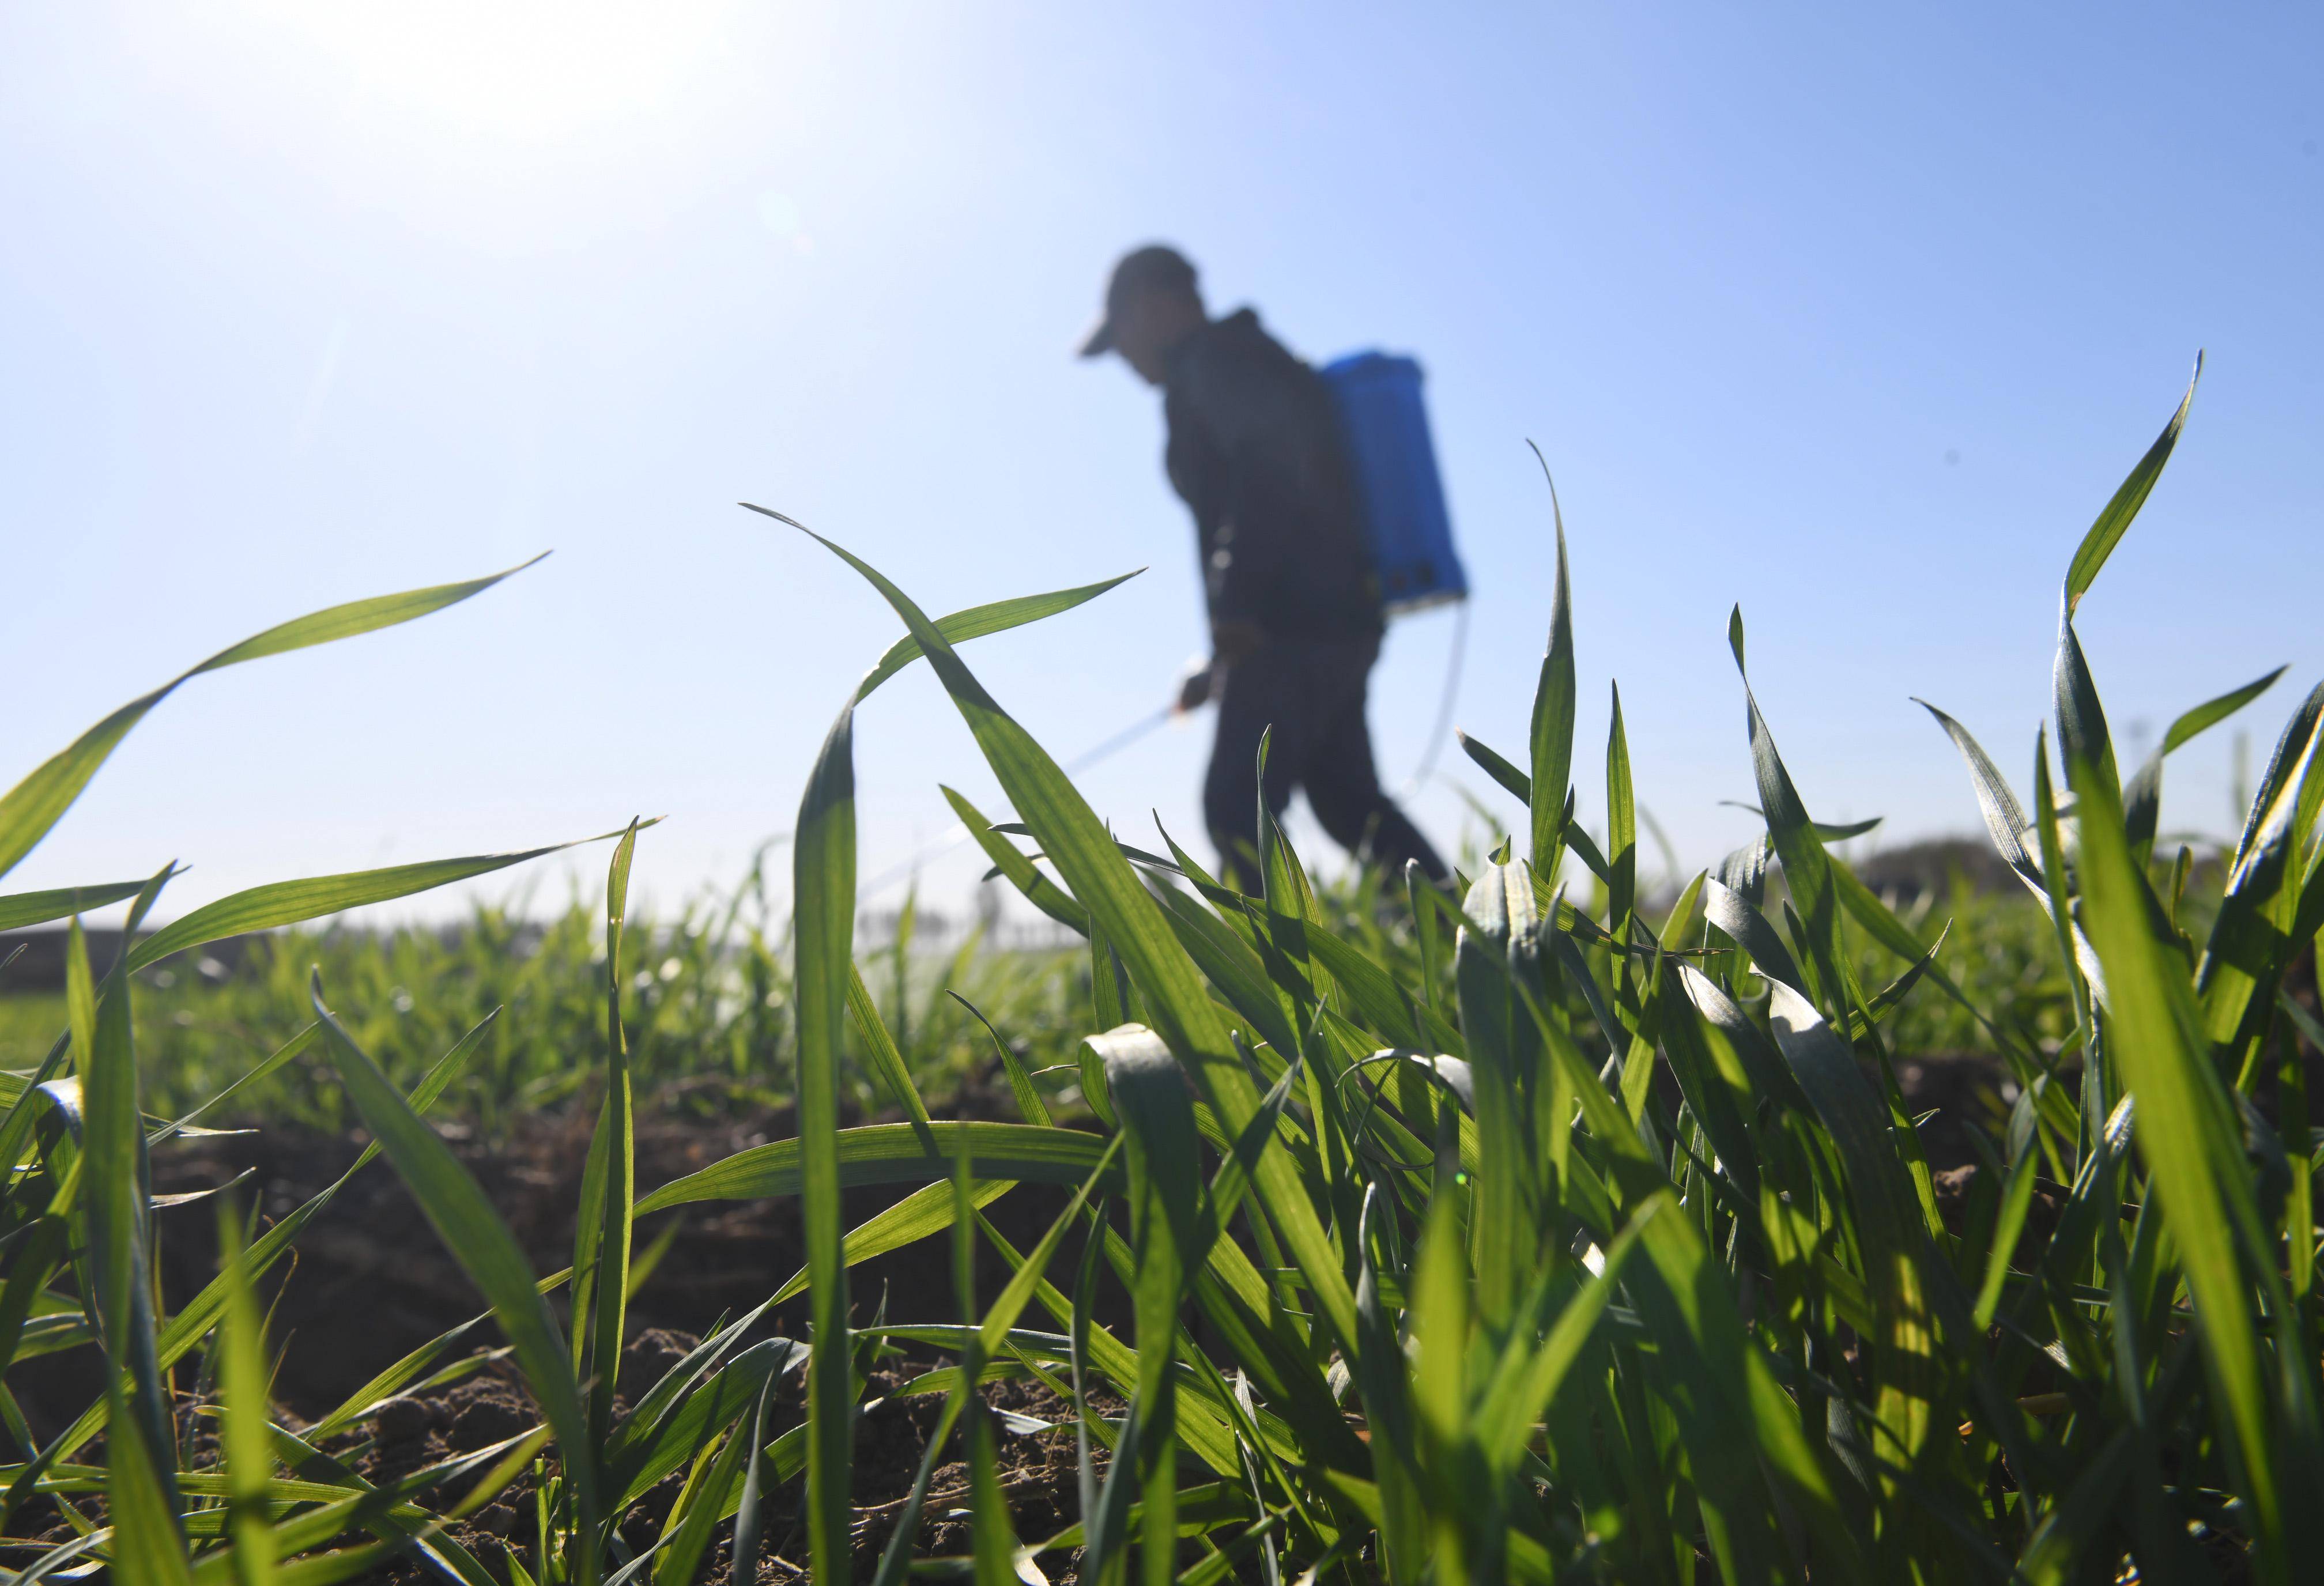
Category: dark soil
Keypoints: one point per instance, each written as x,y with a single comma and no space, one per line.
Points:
1037,1471
370,1282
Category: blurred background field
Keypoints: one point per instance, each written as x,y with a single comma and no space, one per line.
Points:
711,995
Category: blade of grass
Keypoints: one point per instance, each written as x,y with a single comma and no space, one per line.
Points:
1741,1426
646,1454
1497,767
464,1220
927,1210
749,1511
1040,890
1621,827
885,1153
30,908
1733,913
2142,798
1029,1104
2290,745
1085,854
281,903
886,1063
2114,520
2191,1144
1907,1361
1527,1376
1551,738
601,1256
244,1391
141,1486
1149,1094
977,622
981,1343
823,882
2082,720
37,802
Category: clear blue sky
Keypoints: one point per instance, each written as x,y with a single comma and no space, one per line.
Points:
1854,314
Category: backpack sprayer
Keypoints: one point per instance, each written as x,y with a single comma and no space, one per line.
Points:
1400,501
1400,497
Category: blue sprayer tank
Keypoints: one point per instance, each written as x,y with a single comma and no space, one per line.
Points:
1400,493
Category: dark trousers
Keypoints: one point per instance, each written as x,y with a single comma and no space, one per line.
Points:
1307,694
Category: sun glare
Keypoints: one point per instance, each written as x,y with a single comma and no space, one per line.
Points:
514,72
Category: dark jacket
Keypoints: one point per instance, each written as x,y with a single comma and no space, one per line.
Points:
1256,453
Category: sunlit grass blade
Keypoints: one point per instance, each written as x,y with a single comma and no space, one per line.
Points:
2005,818
487,1251
281,903
823,882
1438,1313
1807,869
978,621
1499,1041
1828,831
699,1510
1894,1240
2142,799
1497,767
1551,736
601,1256
1742,1426
1165,1187
885,1153
244,1394
886,1064
1621,827
1230,963
1040,890
391,1383
38,802
1078,843
644,1456
30,908
274,1063
2290,745
2188,1137
2249,942
140,1457
749,1509
1731,912
1027,1096
2016,1197
1527,1376
926,1211
2082,734
2114,520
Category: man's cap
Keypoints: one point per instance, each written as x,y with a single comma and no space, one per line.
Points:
1154,266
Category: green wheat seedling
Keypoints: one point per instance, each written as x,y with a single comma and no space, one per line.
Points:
1628,1259
1526,1234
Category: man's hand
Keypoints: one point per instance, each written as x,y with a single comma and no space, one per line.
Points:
1194,687
1232,640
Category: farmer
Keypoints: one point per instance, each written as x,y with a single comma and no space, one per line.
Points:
1295,611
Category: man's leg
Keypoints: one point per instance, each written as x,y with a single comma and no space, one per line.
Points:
1343,786
1259,695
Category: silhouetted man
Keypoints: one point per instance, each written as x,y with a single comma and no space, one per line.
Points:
1256,453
